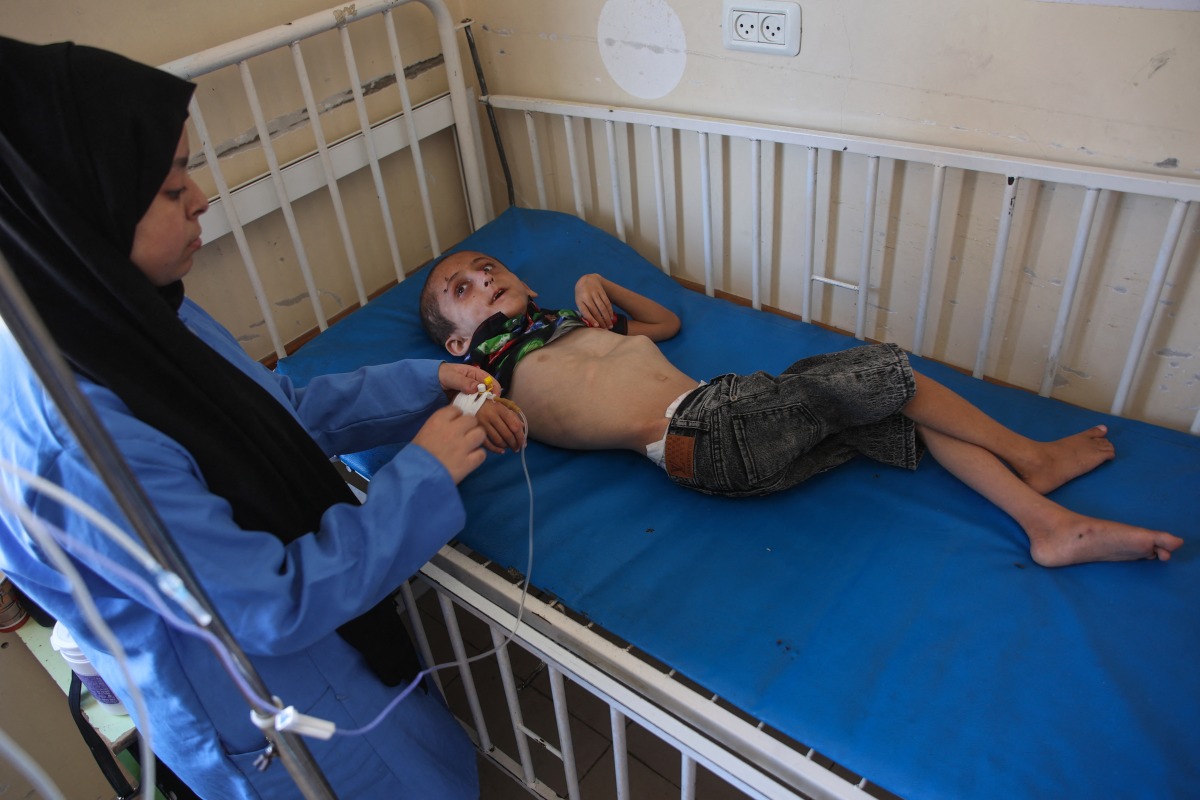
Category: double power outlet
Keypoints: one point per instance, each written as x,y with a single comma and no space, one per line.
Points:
762,26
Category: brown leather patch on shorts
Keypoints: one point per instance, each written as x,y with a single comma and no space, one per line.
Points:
679,451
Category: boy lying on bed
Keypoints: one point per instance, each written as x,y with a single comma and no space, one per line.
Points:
753,434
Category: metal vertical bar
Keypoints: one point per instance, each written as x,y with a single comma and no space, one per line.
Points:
573,160
285,204
335,194
565,742
535,152
989,311
464,668
687,778
868,242
756,223
620,752
446,32
660,204
418,628
931,242
1074,268
465,119
372,155
414,141
235,227
706,213
810,233
514,703
485,211
614,178
1153,290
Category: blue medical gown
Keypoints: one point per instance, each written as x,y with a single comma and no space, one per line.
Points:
281,602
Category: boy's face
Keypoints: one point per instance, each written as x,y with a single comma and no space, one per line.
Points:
472,287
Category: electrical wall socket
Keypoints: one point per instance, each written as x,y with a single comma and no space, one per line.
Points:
762,26
745,26
771,28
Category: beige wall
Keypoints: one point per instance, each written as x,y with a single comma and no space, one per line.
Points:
1099,86
1096,85
144,30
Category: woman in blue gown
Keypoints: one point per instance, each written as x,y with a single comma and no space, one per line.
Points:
99,221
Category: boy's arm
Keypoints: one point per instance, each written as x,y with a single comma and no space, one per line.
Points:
502,425
595,296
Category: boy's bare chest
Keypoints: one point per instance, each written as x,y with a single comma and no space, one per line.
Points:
617,384
587,356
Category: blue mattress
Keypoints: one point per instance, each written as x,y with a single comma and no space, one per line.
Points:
892,620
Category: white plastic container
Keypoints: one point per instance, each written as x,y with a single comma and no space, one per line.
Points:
62,641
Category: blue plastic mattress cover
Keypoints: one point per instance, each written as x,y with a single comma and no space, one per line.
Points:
892,620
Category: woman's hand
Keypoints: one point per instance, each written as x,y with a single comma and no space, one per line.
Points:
454,439
456,378
591,298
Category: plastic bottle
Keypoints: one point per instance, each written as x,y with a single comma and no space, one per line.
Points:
62,641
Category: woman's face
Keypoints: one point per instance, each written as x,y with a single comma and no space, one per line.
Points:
168,234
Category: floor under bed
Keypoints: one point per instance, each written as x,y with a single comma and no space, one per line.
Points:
892,620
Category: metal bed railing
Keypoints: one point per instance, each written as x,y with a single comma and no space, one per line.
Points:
235,207
1180,192
704,730
735,748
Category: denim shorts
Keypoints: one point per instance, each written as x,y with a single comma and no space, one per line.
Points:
743,435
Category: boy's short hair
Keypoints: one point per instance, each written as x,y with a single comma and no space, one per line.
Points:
435,323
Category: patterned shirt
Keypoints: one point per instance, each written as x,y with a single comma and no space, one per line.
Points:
500,342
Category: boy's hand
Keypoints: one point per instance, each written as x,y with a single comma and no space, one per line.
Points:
454,439
502,426
595,296
591,298
456,378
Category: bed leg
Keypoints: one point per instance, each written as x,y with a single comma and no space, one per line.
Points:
559,693
514,705
687,778
620,753
418,629
464,668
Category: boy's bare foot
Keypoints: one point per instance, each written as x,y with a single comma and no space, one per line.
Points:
1069,538
1063,460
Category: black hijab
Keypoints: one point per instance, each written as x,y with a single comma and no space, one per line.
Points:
86,140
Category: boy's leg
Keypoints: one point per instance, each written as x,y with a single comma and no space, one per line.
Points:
1057,536
1044,466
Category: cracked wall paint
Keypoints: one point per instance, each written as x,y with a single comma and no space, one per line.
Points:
298,118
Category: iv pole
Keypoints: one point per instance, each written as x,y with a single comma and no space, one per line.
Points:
39,348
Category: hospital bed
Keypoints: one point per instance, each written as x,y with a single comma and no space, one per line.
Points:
873,632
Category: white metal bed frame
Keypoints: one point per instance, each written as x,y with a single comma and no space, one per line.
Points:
700,726
1181,193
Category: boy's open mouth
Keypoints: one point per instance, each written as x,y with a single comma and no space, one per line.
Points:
499,293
